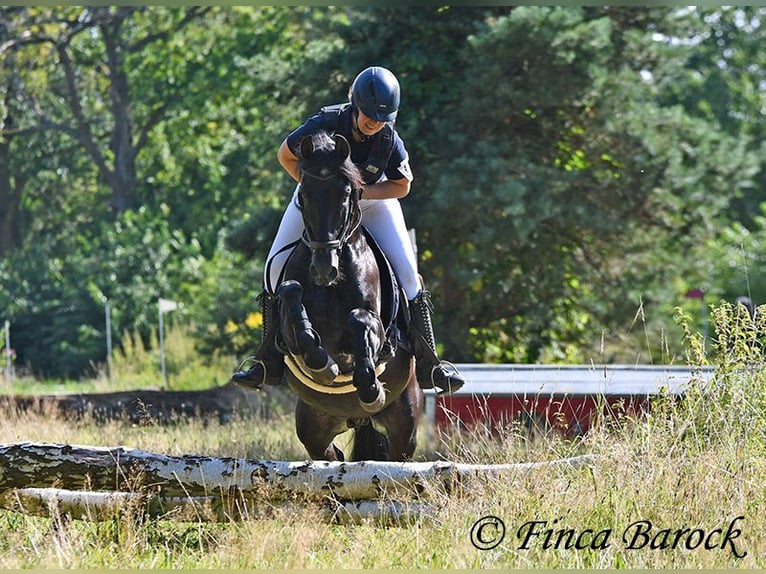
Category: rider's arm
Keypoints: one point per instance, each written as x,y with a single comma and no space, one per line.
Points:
389,189
288,160
398,174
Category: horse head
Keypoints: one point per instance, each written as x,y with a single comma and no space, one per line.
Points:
329,192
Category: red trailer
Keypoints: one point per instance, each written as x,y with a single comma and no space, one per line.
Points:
565,398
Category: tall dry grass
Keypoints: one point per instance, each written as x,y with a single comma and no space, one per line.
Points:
697,465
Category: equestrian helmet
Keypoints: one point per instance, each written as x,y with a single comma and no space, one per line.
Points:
376,93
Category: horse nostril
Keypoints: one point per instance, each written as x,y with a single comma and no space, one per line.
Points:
324,272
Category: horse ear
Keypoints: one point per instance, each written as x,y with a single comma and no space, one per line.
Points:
342,146
307,146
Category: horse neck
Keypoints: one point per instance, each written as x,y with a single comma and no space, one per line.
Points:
357,241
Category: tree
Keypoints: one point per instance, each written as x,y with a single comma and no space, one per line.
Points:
92,50
571,167
554,187
182,103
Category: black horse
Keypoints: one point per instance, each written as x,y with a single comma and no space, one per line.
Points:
342,316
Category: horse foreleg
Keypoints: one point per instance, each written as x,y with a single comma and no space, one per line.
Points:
317,430
367,335
322,366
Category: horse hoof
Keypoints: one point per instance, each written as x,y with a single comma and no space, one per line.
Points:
326,374
377,403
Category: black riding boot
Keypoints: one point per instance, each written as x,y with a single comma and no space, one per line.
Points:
267,364
429,369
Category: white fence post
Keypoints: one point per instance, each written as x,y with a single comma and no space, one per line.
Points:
164,306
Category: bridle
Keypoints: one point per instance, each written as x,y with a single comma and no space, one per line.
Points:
353,220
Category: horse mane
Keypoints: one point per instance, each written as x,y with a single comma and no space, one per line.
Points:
324,147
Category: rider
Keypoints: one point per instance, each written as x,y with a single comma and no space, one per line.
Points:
367,122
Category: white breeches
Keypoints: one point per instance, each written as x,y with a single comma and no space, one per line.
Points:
383,218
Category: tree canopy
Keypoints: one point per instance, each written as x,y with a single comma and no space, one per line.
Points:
577,169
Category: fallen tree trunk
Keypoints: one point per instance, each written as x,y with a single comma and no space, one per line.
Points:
56,502
79,468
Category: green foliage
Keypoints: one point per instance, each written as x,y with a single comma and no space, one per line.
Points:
727,411
571,175
58,319
575,167
737,260
52,318
136,364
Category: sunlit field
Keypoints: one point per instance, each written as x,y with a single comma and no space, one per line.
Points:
681,488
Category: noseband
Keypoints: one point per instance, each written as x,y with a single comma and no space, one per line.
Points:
351,224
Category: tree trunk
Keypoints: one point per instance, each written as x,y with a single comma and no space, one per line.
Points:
78,468
123,176
9,198
56,502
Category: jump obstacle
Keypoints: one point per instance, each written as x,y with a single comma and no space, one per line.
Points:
89,482
96,482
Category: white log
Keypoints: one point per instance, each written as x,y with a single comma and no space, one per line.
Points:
78,468
98,505
85,505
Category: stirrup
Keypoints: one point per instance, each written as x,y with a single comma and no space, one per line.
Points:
240,375
458,383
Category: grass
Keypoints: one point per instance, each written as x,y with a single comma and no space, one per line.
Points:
136,365
698,464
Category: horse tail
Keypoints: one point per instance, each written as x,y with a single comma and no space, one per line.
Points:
369,443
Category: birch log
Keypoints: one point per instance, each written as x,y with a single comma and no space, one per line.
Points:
121,469
99,505
54,502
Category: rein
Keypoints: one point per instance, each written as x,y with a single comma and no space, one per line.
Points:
350,226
